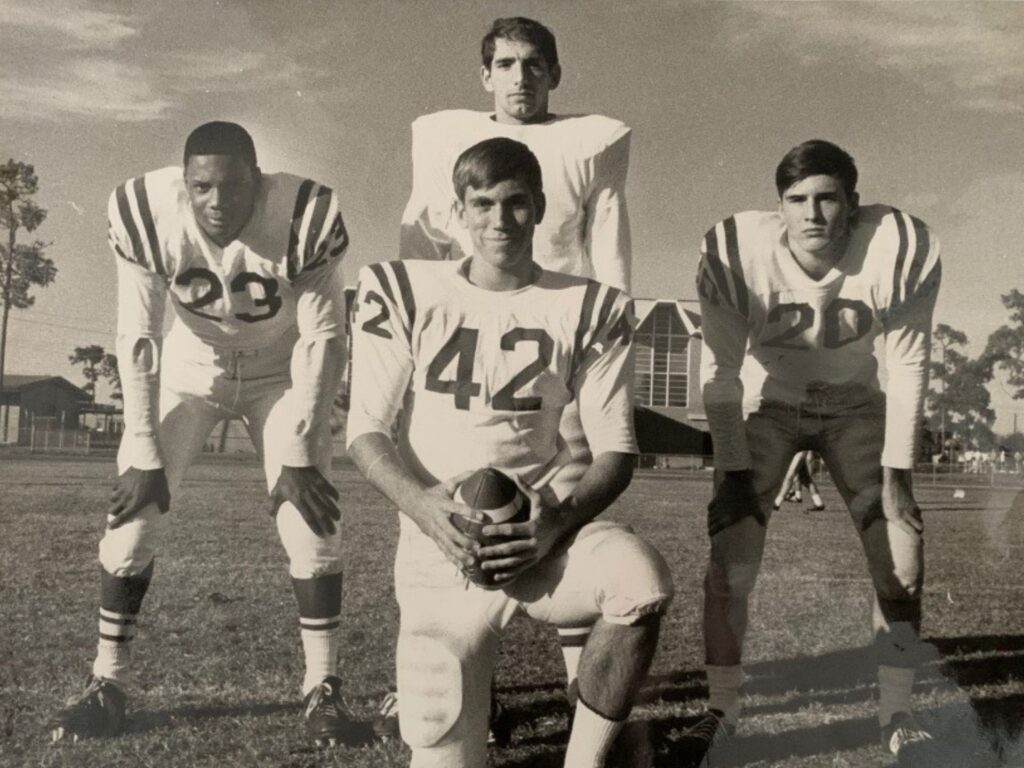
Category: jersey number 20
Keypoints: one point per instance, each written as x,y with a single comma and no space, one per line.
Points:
461,348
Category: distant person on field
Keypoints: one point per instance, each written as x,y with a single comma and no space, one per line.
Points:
251,265
584,158
799,295
800,474
483,354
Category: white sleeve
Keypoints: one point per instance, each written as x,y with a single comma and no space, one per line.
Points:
429,213
724,331
607,218
141,298
318,360
907,353
604,380
382,362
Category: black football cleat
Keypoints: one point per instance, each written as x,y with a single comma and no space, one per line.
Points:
385,724
327,721
912,744
704,738
98,711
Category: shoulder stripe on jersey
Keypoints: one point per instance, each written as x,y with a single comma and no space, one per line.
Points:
606,308
586,312
901,255
921,251
142,199
714,263
128,222
739,281
293,238
315,228
382,278
405,289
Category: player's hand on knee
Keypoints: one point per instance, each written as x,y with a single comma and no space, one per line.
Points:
433,512
133,491
517,547
312,494
898,503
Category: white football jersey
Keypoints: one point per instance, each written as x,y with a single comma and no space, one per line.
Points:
812,341
482,376
583,159
240,296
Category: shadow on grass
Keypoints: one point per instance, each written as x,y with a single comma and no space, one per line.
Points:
977,732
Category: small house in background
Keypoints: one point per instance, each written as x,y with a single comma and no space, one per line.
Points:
50,400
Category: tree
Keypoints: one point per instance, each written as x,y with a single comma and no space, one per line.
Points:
22,265
1005,347
89,357
962,401
110,371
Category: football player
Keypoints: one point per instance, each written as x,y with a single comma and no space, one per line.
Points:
799,476
483,354
796,298
251,265
585,158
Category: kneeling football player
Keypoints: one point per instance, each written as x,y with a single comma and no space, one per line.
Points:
251,264
483,354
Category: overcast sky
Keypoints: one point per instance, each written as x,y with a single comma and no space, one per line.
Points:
929,99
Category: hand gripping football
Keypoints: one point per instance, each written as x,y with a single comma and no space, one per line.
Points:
499,499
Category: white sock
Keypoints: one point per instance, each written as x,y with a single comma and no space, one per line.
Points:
114,649
571,642
320,647
113,662
591,738
895,687
724,690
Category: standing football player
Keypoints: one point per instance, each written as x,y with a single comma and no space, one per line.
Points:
797,297
251,264
584,158
483,354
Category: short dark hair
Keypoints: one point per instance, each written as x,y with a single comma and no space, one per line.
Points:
220,138
816,158
493,161
522,30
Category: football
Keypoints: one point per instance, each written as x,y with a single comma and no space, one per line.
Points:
499,499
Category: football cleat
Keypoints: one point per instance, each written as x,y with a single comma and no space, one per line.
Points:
709,734
912,744
98,711
385,724
500,725
327,722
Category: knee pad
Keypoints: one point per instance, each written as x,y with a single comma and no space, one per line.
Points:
129,549
309,555
895,561
636,581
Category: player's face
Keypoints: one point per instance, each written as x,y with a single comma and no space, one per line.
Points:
501,220
520,79
817,214
222,190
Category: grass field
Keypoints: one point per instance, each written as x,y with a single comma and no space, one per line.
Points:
218,658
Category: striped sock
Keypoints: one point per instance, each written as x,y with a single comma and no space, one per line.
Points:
319,601
120,602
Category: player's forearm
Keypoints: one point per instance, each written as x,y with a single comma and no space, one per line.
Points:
376,457
904,401
316,367
723,404
603,482
139,368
